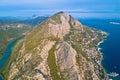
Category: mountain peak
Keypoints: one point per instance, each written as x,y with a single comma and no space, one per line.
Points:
61,12
60,48
60,24
60,15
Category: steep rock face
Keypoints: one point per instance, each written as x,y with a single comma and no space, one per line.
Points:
61,28
60,48
67,61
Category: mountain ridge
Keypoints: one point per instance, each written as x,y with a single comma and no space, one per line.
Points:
60,48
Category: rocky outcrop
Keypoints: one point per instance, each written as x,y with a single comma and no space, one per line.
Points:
61,29
60,48
67,61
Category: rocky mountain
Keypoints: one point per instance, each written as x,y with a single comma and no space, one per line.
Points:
60,48
10,32
13,27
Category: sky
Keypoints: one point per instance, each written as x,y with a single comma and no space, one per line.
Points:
77,8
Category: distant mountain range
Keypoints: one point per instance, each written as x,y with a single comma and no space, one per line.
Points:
34,20
12,27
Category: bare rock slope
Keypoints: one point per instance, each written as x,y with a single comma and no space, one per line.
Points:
60,48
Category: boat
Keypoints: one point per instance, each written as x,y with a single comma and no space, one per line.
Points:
113,74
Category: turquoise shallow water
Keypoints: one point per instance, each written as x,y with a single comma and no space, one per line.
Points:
4,59
111,46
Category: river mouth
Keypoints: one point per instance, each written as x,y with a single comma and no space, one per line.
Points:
7,54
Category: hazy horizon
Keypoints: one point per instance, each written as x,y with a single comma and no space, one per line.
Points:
83,8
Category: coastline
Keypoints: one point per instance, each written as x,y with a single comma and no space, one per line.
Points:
109,76
100,49
101,54
99,45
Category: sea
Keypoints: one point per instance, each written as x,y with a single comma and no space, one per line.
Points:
110,48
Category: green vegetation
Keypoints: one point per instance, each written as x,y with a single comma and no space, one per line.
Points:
88,74
75,39
35,37
54,70
79,50
102,73
56,18
78,41
6,36
79,59
28,57
5,70
28,65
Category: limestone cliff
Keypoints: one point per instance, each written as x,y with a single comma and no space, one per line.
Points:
60,48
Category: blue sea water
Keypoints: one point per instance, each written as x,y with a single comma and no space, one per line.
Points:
111,46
